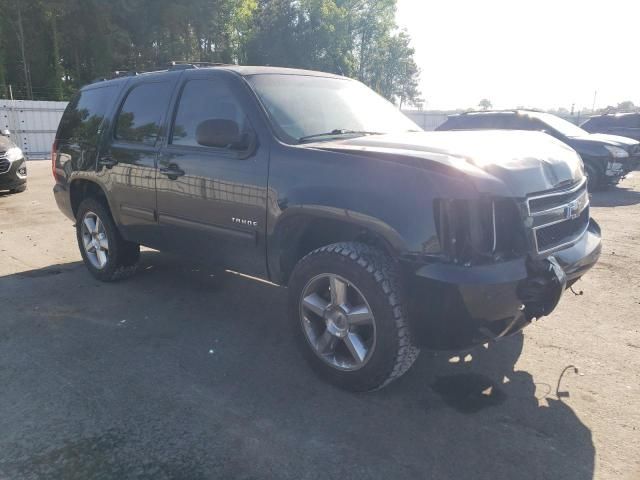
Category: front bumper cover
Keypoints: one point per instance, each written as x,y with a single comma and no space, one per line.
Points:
15,177
467,306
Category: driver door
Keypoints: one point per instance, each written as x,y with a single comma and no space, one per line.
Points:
211,201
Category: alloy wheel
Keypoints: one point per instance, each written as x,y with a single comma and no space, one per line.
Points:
338,322
94,240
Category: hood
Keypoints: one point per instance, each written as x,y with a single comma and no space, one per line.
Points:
505,162
606,139
5,143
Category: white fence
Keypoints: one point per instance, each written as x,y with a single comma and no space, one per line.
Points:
33,124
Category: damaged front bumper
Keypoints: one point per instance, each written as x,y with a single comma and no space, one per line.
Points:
456,307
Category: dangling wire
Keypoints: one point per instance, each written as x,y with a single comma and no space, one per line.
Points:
578,293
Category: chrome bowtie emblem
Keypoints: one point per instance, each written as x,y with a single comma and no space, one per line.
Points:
572,210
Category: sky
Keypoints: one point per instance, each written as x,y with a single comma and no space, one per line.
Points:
540,54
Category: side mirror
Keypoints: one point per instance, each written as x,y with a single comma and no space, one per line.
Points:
222,133
5,133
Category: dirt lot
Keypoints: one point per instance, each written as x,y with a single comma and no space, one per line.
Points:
184,373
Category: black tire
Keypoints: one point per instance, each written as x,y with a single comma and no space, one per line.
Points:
595,178
20,189
123,256
376,277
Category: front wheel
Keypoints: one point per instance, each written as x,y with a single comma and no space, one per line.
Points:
105,253
347,302
595,179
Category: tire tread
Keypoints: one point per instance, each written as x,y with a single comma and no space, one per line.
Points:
382,268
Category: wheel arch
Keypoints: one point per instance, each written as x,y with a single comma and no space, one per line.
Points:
82,188
305,229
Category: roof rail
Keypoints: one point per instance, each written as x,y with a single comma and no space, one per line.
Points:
180,65
116,74
503,110
124,73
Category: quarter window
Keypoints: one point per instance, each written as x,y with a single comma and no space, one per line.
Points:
85,114
203,100
140,117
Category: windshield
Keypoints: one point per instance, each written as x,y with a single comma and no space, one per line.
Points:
306,108
563,126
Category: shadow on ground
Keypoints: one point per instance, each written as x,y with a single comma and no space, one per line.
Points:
617,196
186,373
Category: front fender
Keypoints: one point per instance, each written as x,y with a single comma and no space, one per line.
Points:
334,224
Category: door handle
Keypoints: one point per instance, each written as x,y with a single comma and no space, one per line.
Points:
172,171
107,161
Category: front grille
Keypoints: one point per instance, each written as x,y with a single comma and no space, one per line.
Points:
558,218
549,237
539,204
4,165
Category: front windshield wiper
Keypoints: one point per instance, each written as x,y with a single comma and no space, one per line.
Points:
336,132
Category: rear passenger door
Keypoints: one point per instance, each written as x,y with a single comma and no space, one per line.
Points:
128,163
212,200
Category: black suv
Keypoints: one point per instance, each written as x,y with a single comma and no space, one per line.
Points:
607,158
13,166
389,238
622,124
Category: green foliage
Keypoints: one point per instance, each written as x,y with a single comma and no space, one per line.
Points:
49,48
485,104
627,106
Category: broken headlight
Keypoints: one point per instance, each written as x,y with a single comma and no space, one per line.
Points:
478,230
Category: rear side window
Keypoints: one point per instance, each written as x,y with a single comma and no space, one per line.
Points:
614,121
594,122
524,122
140,117
482,121
85,113
205,100
625,121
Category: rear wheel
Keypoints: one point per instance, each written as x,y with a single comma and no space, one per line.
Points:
347,302
105,253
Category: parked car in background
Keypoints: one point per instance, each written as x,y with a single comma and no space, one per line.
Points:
389,238
607,158
13,166
622,124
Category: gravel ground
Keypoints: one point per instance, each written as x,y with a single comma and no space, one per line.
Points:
185,373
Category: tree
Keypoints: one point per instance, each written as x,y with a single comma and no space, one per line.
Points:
485,104
626,106
49,48
356,38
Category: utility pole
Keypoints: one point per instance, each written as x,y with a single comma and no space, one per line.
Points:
27,75
595,95
10,93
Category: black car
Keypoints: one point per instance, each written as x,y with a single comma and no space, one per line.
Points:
389,238
622,124
13,166
607,158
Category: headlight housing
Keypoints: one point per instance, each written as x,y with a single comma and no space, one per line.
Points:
617,152
479,230
14,154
